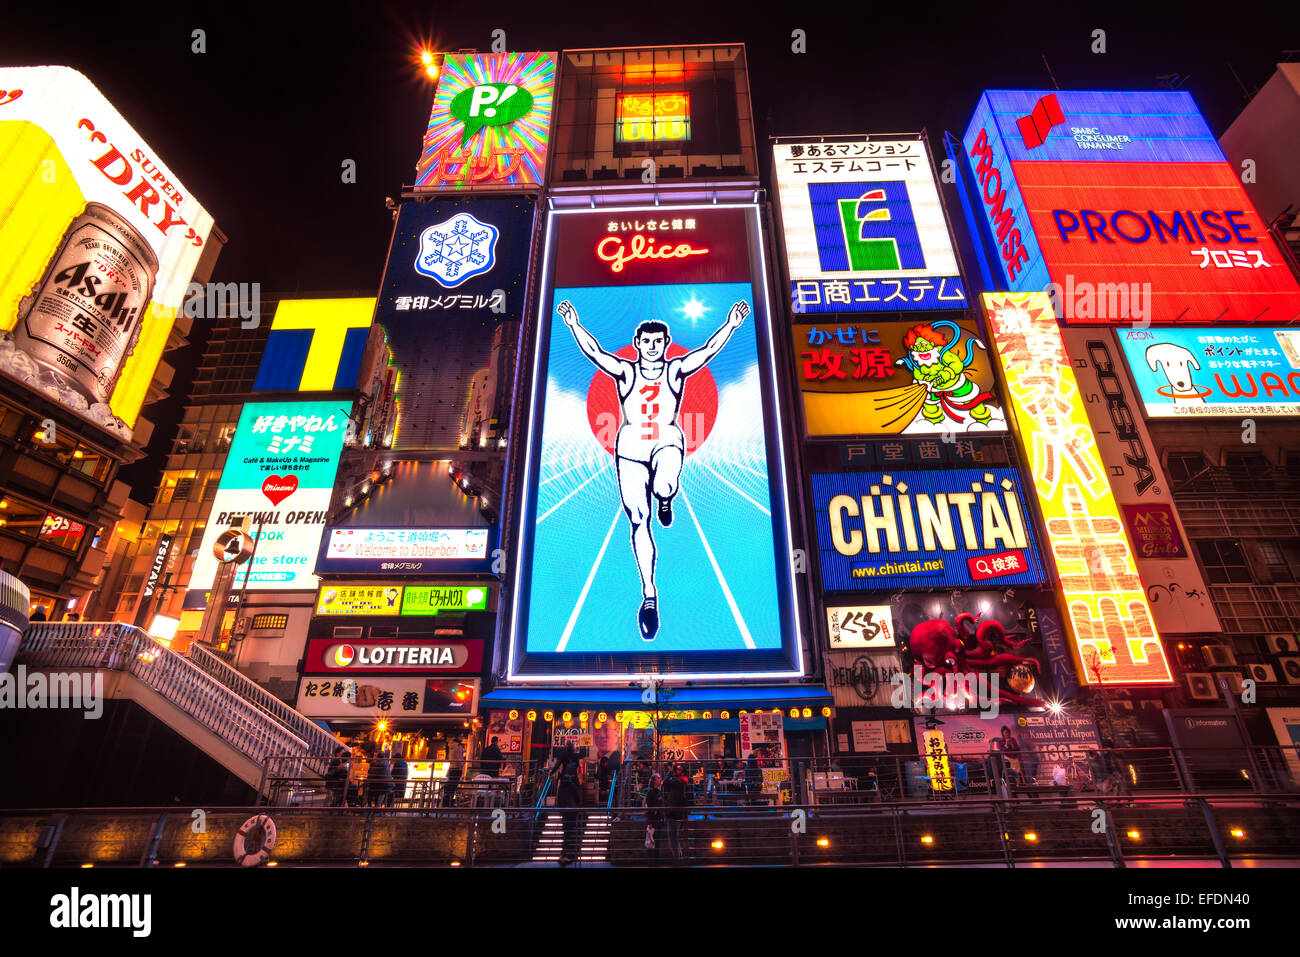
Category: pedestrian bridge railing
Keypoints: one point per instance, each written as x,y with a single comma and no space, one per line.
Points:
247,727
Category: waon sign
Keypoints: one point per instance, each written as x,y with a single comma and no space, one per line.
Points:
1123,207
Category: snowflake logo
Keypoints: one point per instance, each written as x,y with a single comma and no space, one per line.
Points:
456,250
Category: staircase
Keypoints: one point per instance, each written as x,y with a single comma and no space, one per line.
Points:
595,838
218,710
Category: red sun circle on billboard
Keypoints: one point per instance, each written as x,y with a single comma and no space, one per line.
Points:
696,417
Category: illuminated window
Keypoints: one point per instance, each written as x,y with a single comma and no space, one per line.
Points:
654,117
277,622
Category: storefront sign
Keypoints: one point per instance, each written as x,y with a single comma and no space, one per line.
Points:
863,227
762,735
328,655
1110,618
900,378
869,736
406,551
508,731
366,699
399,599
280,474
931,529
862,678
860,626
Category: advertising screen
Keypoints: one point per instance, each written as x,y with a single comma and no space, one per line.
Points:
490,122
1220,371
99,240
896,378
280,473
1109,616
863,227
1179,600
653,530
411,551
1125,204
879,531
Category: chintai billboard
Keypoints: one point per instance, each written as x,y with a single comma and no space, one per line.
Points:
654,534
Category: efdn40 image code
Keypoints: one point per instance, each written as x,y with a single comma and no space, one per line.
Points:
1108,615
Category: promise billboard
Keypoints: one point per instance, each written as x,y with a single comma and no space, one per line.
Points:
1124,205
654,536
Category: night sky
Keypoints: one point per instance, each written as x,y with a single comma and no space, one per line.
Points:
258,126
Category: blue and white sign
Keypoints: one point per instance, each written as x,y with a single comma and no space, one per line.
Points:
456,250
863,227
882,531
1215,371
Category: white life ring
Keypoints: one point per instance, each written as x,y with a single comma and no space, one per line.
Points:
262,852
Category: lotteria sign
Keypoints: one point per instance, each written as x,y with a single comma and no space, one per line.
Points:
1093,194
328,656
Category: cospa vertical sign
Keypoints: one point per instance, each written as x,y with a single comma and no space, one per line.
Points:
1109,616
653,529
863,227
490,122
99,240
279,473
1179,599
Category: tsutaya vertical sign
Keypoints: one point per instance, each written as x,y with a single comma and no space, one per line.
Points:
1179,599
1108,615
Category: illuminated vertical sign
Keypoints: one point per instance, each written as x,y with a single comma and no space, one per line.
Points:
654,117
1107,612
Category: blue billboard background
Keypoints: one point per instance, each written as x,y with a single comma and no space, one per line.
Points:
1215,371
982,513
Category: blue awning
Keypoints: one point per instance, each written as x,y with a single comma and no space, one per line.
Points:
682,699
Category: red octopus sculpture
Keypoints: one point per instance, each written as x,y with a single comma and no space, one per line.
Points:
944,649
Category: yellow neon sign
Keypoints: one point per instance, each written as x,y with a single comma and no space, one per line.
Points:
654,116
1107,613
329,320
936,761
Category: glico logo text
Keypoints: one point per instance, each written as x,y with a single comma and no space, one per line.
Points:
994,194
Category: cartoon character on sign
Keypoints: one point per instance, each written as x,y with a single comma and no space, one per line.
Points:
935,364
650,445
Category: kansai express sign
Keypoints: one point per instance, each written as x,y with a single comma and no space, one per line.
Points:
1124,207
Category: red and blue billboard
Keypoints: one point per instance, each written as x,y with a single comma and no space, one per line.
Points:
1091,195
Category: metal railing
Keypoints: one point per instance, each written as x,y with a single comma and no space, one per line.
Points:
1168,829
247,728
318,739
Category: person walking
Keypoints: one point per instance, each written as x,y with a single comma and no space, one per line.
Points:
654,818
379,781
676,800
400,773
490,759
336,777
568,798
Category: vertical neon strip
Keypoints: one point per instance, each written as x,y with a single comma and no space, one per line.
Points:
1108,616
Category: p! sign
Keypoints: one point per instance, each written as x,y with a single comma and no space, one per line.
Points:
489,104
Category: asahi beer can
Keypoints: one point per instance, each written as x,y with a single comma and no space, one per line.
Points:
84,317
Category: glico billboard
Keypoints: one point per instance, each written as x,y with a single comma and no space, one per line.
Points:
98,241
654,535
863,227
490,122
1122,204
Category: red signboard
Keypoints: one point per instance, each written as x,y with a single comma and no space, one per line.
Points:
1188,229
330,656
